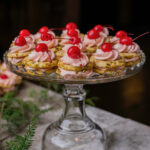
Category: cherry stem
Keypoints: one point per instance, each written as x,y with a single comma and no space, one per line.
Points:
57,29
140,35
109,27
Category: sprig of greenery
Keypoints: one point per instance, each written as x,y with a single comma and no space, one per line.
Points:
23,142
40,96
17,112
91,101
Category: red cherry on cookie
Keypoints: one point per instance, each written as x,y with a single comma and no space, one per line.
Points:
46,36
24,32
74,52
41,47
98,28
92,34
3,76
71,25
72,33
20,41
106,47
43,29
126,40
74,40
121,34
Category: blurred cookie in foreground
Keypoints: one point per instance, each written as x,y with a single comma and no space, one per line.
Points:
8,80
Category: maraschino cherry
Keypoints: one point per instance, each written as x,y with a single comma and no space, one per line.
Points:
72,33
46,36
71,25
74,40
74,52
24,32
106,47
121,34
41,47
98,28
43,29
92,34
20,41
126,40
3,76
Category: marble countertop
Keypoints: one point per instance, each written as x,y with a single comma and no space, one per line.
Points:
122,133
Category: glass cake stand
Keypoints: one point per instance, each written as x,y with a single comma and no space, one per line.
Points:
75,130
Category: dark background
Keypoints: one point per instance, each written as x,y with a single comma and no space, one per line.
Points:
130,97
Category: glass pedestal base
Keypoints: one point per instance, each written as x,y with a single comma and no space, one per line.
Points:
80,138
74,130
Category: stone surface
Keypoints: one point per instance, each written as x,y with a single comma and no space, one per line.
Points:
122,133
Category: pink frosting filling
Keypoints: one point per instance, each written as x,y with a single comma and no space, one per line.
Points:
64,33
67,73
82,61
122,48
15,60
93,42
38,35
29,39
34,69
114,39
67,46
96,42
112,55
132,59
41,56
21,49
49,43
104,33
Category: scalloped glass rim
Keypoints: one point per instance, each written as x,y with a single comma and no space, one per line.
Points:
95,79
